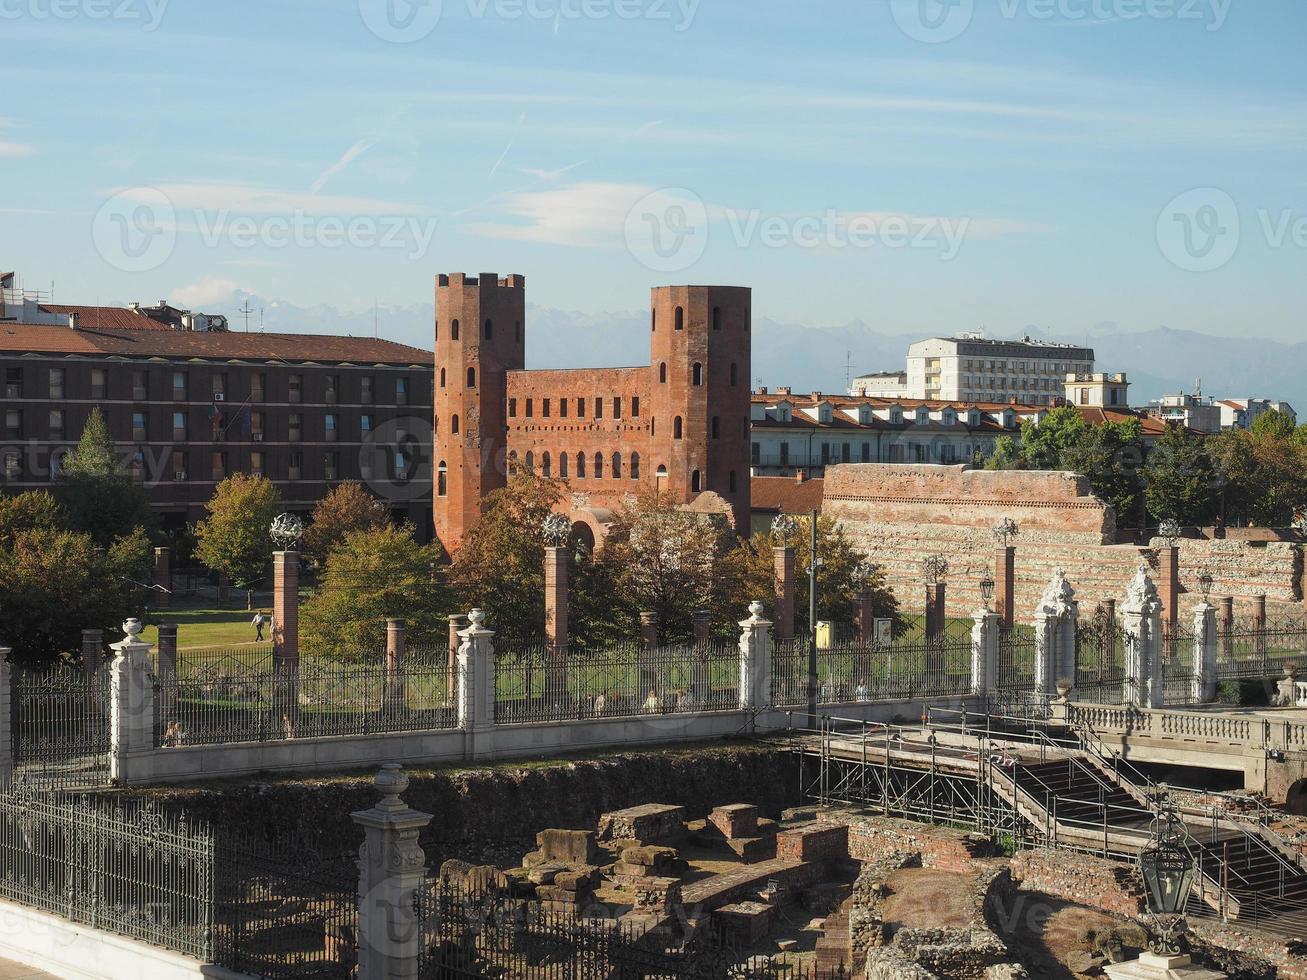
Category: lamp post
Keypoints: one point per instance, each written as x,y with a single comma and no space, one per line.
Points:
987,589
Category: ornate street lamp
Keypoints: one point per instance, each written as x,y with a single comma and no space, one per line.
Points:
987,589
1205,582
1006,531
286,531
934,568
1169,868
1169,531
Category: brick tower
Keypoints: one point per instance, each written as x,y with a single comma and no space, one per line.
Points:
478,340
700,383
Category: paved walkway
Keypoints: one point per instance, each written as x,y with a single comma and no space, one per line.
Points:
16,971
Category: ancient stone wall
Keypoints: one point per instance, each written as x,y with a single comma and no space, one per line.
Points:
1107,885
875,839
900,514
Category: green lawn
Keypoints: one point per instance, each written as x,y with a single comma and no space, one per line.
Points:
208,627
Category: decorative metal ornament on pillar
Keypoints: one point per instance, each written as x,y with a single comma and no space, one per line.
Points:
864,612
286,531
1005,534
784,528
934,569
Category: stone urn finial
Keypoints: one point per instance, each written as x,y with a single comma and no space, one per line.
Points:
1064,687
756,609
477,617
390,782
132,627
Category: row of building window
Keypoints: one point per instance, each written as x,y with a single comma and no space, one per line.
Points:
831,453
487,330
678,319
547,406
223,429
615,472
398,465
140,387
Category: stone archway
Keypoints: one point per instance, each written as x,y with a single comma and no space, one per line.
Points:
1295,800
583,536
590,526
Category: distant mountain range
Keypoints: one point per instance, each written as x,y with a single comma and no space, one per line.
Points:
1159,361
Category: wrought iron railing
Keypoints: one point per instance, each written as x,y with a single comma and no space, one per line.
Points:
115,865
60,726
1254,650
248,695
908,667
540,683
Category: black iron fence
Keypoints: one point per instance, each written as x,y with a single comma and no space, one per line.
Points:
110,864
1254,650
469,936
909,666
1016,658
540,682
246,694
59,719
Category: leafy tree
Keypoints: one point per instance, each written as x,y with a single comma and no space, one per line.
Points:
672,562
1111,456
1006,455
98,494
838,581
234,539
1181,478
1263,475
371,575
35,510
500,564
346,508
1044,445
56,582
1274,425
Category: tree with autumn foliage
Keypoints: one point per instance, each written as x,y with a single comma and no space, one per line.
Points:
371,575
347,508
841,574
234,539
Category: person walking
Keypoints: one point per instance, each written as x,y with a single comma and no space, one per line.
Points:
257,622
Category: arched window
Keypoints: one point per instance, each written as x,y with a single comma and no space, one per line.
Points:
436,335
617,466
697,373
546,465
716,427
599,466
580,465
453,330
635,466
716,317
680,318
442,472
734,375
442,377
471,377
653,321
653,425
661,474
530,462
695,482
453,424
662,374
676,428
490,330
562,466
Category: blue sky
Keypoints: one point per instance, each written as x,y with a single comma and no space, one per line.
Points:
1057,163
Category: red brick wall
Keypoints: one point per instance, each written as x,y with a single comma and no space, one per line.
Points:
814,843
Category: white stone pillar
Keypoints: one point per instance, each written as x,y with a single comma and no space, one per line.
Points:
391,871
6,718
755,660
131,708
1204,675
1055,635
1141,620
476,685
984,652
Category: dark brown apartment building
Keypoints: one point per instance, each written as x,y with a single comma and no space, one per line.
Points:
187,407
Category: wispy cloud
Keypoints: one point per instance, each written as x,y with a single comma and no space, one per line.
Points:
353,153
550,175
246,198
16,149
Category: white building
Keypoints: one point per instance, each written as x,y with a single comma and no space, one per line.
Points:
1097,390
973,368
1240,413
1192,411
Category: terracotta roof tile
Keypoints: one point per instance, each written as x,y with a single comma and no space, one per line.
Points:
106,317
181,343
777,493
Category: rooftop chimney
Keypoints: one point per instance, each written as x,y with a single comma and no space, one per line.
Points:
72,321
800,476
